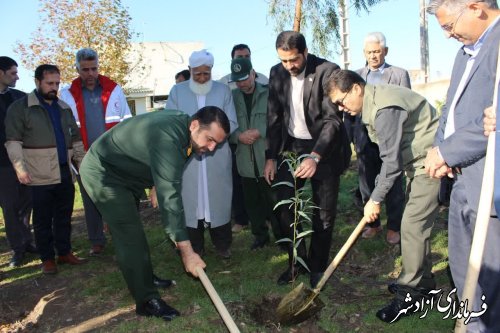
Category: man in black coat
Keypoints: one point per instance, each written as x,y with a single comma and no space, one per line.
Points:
302,119
15,199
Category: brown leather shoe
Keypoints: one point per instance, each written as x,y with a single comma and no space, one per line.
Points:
49,267
371,232
96,250
71,259
393,237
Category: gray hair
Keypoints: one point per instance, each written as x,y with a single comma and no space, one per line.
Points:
376,37
85,54
455,5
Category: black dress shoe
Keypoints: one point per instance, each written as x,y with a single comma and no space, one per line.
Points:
287,277
258,244
393,287
161,283
17,259
158,308
314,279
30,248
419,291
395,310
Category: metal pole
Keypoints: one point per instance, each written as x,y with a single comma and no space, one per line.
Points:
424,42
344,32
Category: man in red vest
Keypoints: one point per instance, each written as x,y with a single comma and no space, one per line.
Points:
98,103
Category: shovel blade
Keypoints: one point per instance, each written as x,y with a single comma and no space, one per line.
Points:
298,305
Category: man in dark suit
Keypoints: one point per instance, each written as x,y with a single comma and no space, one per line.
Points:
460,146
15,198
376,72
302,119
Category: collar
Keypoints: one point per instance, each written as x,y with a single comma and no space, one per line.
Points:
97,86
473,50
380,69
5,91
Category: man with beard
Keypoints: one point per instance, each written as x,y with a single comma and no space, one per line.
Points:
137,153
42,139
15,198
207,182
302,119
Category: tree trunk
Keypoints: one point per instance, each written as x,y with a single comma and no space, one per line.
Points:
298,15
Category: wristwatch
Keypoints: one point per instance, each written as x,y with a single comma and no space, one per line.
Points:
315,158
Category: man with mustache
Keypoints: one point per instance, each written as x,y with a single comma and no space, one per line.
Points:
402,123
135,154
207,183
301,119
98,103
42,139
460,146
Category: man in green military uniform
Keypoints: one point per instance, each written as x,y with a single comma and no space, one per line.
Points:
137,153
403,125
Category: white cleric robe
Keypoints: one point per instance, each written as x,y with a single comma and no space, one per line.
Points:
207,184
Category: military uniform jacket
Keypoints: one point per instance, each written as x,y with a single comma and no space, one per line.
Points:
149,149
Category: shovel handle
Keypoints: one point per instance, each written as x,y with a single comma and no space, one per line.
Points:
221,308
340,255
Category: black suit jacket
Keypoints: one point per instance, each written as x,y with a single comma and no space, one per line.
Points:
15,95
323,118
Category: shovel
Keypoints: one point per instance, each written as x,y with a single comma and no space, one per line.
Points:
301,303
221,308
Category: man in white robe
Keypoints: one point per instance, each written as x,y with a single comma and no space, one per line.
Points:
207,181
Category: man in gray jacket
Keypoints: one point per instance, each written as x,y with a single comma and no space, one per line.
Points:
460,146
377,71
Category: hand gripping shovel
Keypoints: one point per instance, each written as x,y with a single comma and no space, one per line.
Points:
221,308
301,303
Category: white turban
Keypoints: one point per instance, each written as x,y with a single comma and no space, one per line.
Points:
200,58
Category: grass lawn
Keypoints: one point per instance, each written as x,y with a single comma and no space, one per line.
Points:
93,297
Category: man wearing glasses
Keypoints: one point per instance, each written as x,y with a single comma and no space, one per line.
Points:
403,125
460,146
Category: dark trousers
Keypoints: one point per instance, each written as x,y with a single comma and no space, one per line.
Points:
15,200
221,237
259,203
461,224
325,188
369,164
52,209
93,219
238,209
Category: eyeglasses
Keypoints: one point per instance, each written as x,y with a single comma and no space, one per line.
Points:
341,102
450,27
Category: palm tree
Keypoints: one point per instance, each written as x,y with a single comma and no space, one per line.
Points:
319,17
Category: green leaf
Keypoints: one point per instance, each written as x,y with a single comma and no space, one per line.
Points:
303,263
297,243
304,215
283,240
304,233
283,202
289,184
